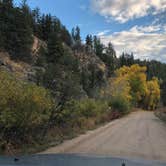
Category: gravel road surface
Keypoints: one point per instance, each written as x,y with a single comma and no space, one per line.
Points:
138,135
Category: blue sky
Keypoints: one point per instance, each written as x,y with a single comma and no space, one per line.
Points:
74,12
136,26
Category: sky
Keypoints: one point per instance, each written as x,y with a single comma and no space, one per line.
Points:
137,26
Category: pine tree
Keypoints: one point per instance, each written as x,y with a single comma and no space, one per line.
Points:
98,46
27,13
55,48
77,35
47,27
110,59
23,38
110,50
65,36
6,12
73,34
76,38
42,25
126,59
16,29
36,23
89,43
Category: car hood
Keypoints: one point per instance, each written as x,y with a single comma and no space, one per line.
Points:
74,160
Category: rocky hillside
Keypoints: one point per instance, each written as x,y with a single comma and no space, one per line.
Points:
19,68
28,71
22,69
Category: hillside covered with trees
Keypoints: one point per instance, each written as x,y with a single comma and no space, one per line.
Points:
70,86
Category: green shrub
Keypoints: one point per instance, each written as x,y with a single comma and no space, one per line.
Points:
120,104
75,110
88,108
23,106
92,108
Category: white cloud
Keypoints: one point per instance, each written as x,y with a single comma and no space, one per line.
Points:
149,29
102,33
124,10
145,42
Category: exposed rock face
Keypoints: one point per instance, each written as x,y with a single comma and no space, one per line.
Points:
87,59
37,44
22,69
90,58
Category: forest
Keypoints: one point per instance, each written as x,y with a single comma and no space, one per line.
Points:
76,86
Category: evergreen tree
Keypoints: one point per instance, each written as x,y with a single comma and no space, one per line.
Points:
37,26
42,25
47,27
76,38
110,50
126,59
89,43
65,36
77,35
98,46
55,48
23,39
73,34
27,13
110,59
6,12
16,30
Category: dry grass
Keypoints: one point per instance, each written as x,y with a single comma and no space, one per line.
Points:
20,69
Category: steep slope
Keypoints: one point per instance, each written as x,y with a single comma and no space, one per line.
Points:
37,44
88,63
19,68
90,58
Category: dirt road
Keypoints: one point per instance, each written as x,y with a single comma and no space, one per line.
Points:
140,135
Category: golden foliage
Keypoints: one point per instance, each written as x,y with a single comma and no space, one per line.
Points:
131,83
153,94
